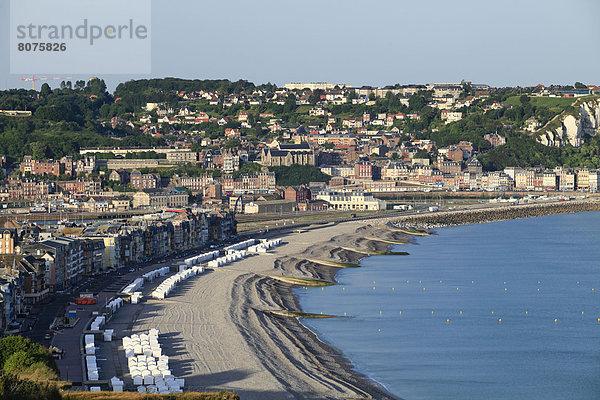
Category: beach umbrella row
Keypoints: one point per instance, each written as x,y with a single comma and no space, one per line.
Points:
138,283
240,245
148,367
90,347
169,284
201,258
150,276
116,384
134,286
233,256
92,368
97,323
108,334
136,297
265,245
115,304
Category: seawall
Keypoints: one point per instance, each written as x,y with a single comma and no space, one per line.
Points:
461,217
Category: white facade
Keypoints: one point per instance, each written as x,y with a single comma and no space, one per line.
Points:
356,200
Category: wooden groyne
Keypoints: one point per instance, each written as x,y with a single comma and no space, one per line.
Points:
461,217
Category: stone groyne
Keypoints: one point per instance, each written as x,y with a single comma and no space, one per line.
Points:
476,216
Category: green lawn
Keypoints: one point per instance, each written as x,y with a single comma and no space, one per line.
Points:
553,103
304,109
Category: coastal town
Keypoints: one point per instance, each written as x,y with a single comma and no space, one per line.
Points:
278,200
158,179
212,159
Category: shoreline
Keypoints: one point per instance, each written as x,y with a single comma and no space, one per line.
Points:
490,214
421,225
221,332
327,271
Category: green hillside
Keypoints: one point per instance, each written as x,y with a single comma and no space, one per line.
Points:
556,104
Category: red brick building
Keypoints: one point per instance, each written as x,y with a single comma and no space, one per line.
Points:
317,205
299,194
366,170
141,181
450,167
36,167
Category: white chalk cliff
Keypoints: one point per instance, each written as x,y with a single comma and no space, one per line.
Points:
573,128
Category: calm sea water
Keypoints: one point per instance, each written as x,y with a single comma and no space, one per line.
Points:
505,310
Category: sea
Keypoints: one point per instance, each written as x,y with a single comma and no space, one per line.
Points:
501,310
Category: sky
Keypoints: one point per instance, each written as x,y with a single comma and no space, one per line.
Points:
377,42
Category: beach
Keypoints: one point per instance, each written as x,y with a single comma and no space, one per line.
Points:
234,327
220,333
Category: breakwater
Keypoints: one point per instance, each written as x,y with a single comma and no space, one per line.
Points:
476,216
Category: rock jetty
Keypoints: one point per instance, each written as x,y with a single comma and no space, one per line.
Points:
461,217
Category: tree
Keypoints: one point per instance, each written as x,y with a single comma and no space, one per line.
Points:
232,144
579,85
248,168
39,150
79,86
45,90
298,175
421,154
315,96
14,388
524,99
290,104
104,111
416,102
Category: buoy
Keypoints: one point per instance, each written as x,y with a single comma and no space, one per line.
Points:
344,314
379,312
401,314
322,288
373,287
492,313
592,289
499,320
505,283
447,321
582,313
505,289
419,281
392,288
526,312
460,312
472,281
538,289
321,312
423,288
456,288
555,320
343,288
432,312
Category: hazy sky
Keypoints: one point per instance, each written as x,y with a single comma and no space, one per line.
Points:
377,42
